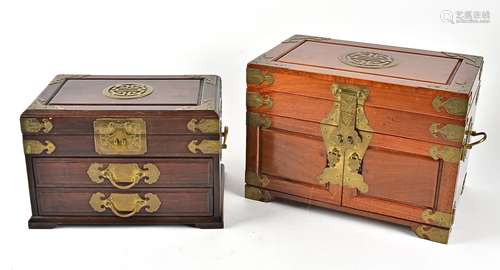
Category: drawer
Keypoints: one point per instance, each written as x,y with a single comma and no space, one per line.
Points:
122,146
109,202
123,173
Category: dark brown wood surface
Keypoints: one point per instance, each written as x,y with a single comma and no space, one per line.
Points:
72,172
190,186
78,125
174,201
157,145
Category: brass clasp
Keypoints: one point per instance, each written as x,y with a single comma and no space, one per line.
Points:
114,136
346,135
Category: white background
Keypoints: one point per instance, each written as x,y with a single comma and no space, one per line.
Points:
39,39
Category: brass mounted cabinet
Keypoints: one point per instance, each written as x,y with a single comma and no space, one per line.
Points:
126,150
362,128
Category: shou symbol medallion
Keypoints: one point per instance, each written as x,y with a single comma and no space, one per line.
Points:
368,60
346,135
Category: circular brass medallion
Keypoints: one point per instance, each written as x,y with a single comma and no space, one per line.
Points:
368,60
127,90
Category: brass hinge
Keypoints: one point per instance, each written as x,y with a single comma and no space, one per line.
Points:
346,134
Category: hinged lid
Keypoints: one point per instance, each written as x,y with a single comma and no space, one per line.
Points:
86,104
386,64
140,93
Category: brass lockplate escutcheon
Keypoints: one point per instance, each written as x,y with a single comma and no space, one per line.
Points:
128,173
346,135
127,90
33,125
124,205
114,136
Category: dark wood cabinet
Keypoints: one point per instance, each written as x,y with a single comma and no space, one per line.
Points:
125,150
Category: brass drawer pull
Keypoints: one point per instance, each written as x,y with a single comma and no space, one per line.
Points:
124,205
129,173
473,133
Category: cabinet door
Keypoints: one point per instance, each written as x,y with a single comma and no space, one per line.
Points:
288,162
403,180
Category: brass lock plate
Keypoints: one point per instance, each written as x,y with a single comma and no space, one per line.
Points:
113,136
346,135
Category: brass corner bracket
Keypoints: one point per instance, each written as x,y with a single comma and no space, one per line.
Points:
433,233
257,194
33,125
453,105
257,77
252,178
256,100
346,134
437,218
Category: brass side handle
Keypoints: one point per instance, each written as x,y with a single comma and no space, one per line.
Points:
128,173
224,135
124,205
473,134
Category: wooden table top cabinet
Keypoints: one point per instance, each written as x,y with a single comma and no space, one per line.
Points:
378,131
125,150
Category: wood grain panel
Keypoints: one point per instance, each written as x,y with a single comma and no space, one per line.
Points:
292,156
72,172
174,201
402,178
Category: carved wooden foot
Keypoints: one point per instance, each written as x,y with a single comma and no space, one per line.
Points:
41,225
258,194
215,225
435,234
